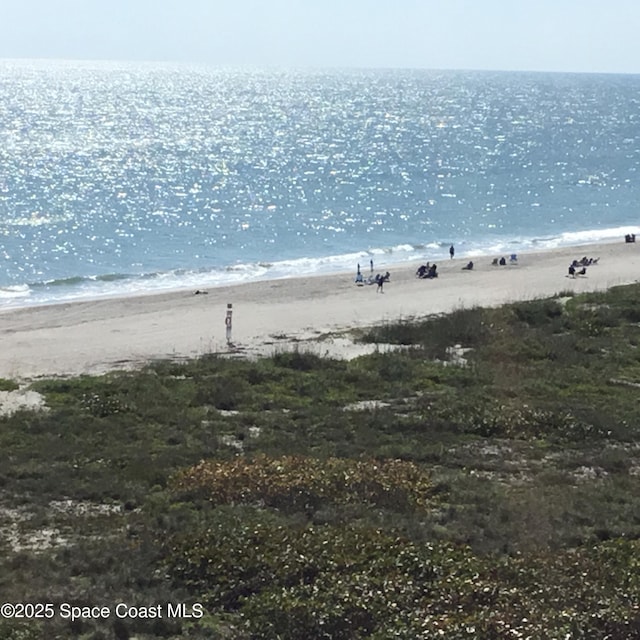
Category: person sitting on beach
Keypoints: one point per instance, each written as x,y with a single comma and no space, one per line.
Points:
359,278
582,272
423,270
387,277
468,266
502,262
433,273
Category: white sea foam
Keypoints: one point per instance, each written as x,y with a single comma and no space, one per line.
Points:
16,292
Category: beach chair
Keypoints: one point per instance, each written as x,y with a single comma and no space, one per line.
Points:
513,259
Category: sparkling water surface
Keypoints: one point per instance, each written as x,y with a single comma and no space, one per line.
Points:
119,178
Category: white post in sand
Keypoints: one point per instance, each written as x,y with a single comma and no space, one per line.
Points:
227,322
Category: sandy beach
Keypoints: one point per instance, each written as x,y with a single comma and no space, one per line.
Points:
101,335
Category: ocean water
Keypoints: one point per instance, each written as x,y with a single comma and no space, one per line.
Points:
122,178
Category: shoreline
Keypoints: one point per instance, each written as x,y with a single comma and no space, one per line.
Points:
99,335
101,287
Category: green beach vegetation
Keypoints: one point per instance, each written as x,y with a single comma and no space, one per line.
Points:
482,480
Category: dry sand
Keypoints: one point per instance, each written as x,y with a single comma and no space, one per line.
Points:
100,335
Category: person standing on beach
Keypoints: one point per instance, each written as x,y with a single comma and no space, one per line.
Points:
451,251
380,282
371,264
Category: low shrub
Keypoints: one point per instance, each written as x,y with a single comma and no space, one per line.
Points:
352,582
537,313
296,483
8,385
